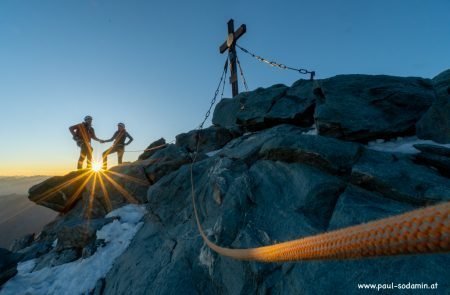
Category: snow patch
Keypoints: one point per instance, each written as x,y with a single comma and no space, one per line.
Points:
80,276
401,145
217,169
26,266
313,131
213,153
206,256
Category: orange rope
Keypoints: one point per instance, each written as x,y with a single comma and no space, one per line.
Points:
424,230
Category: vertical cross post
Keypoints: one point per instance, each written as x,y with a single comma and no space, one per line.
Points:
230,45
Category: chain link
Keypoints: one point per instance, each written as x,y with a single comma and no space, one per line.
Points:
242,74
278,65
213,101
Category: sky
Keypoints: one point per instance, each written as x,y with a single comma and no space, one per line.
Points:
155,65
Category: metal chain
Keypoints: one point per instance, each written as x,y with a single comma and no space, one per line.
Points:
213,101
278,65
242,74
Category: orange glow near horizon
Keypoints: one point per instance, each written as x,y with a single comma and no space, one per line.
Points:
27,170
42,167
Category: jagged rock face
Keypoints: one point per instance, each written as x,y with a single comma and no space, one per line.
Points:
59,193
350,107
165,161
267,187
267,107
130,177
398,178
364,107
152,148
82,193
435,124
437,157
22,242
78,234
209,139
8,264
329,154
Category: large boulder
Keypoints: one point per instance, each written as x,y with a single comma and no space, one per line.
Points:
93,194
296,106
435,124
365,107
248,146
267,107
330,154
434,156
152,148
77,235
130,178
60,193
253,106
397,177
356,205
207,140
166,161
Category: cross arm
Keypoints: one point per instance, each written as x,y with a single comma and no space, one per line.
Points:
239,32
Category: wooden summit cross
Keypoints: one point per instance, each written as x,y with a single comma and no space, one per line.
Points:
230,45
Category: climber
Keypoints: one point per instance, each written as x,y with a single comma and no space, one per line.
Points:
118,146
83,133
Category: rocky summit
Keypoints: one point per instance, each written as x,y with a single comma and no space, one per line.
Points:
278,164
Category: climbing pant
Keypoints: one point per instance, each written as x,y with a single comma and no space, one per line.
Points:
85,152
120,149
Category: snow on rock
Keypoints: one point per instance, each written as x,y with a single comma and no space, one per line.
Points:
80,276
313,130
213,153
401,145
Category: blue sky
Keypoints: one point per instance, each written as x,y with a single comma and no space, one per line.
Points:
154,65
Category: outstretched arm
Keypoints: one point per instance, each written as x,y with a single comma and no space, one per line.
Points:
93,136
111,139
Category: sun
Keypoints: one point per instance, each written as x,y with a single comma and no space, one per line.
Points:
96,166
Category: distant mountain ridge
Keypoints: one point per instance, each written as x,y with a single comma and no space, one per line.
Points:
19,184
18,215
